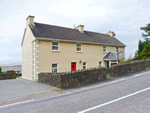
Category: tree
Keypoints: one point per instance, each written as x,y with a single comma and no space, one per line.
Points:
141,45
145,54
136,56
0,70
146,29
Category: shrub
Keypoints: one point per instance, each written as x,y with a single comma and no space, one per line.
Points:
126,61
0,70
10,71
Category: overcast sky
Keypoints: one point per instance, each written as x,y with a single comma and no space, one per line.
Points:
124,17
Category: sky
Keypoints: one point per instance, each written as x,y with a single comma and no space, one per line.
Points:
124,17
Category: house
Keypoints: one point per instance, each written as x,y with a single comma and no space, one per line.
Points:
50,48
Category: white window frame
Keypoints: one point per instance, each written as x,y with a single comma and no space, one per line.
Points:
85,65
99,63
105,48
54,68
55,46
117,49
78,47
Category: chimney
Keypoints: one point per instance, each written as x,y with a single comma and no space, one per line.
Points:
30,20
80,28
111,33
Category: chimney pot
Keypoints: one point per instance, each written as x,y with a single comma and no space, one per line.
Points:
111,33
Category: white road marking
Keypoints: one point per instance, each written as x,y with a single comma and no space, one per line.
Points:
17,103
98,106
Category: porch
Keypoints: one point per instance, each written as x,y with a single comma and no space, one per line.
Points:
112,59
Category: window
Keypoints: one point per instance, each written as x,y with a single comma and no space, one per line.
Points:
100,64
79,48
117,49
104,49
84,65
55,46
54,68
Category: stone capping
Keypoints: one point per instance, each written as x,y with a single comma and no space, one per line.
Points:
79,77
76,78
127,68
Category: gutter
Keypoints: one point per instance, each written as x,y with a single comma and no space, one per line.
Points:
52,39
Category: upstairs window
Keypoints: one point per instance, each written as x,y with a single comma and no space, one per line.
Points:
54,68
79,48
104,49
117,49
84,65
55,46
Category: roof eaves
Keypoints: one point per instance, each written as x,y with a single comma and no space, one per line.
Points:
77,41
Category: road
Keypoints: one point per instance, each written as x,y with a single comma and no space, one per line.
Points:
131,95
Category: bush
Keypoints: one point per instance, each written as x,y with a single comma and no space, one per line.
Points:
126,61
11,71
0,70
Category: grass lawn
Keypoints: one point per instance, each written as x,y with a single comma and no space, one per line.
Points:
108,74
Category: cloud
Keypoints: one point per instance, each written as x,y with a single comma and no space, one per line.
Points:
123,17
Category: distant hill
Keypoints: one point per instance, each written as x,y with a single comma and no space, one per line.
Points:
10,64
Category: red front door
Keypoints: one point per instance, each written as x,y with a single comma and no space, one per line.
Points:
73,66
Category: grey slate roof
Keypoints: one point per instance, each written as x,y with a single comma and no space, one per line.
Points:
112,56
62,33
7,68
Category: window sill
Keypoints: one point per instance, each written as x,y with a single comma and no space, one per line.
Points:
79,51
56,50
104,52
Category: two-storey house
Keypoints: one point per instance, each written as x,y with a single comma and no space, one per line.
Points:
50,48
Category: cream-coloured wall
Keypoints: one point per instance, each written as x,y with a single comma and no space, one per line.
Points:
113,49
91,54
27,52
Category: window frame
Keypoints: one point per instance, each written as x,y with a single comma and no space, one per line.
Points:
55,46
78,47
53,68
105,48
117,49
84,65
99,63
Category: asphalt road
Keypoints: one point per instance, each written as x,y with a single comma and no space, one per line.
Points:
131,95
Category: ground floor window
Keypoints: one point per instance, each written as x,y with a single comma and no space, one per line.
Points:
84,65
54,68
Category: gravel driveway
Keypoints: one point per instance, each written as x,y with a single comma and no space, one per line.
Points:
15,88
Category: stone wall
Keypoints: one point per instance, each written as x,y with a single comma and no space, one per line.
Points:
83,77
53,79
127,68
4,76
73,79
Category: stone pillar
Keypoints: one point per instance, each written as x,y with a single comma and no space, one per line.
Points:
117,61
109,63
